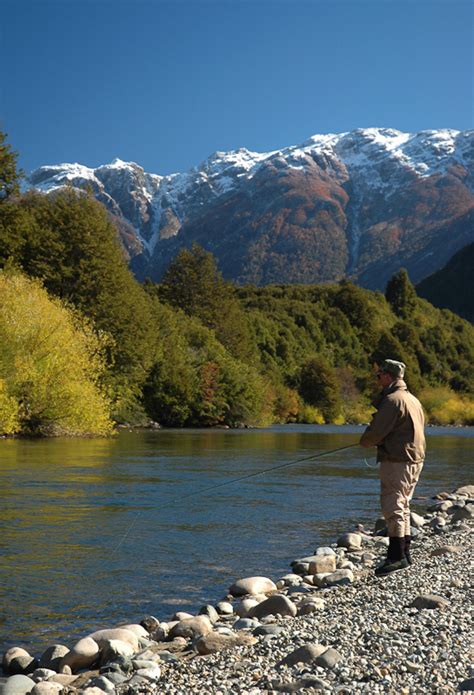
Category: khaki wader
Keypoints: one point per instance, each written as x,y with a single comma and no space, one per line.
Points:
397,485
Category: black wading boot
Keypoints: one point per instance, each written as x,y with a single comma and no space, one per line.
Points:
407,549
396,559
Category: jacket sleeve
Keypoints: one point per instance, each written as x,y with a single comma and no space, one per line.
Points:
383,422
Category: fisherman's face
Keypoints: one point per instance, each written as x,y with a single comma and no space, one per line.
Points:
384,379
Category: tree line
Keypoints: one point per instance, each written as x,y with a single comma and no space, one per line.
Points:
84,346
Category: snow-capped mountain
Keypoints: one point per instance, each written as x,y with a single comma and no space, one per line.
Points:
358,204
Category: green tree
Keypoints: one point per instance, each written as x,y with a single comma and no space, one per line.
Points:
400,294
193,284
9,176
51,364
67,240
318,385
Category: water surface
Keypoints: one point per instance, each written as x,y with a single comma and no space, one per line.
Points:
96,532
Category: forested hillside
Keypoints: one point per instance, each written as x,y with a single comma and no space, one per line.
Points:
81,334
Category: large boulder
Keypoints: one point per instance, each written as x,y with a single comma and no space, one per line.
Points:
83,654
17,661
214,642
274,605
190,628
322,563
51,657
118,633
18,685
252,585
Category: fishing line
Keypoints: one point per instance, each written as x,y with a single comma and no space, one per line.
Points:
176,500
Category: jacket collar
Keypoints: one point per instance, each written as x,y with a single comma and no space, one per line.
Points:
396,385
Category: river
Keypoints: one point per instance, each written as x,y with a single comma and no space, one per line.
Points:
94,532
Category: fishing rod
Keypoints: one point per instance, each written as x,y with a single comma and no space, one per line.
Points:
233,481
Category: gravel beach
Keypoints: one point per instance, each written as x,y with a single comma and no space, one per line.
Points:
328,626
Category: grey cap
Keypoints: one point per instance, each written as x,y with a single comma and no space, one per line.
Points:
396,369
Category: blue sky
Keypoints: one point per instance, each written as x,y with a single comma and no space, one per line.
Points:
166,83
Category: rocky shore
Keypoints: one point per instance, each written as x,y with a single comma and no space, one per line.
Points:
328,626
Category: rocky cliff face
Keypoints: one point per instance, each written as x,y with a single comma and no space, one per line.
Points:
359,204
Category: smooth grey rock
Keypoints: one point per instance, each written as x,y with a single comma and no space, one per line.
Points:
116,677
351,541
17,661
211,613
150,623
329,658
83,654
462,513
103,637
42,674
416,520
101,682
252,585
18,685
429,601
339,578
305,655
467,490
273,630
181,615
322,563
225,608
243,608
215,642
276,604
113,649
47,688
52,656
151,674
324,550
191,628
309,606
245,624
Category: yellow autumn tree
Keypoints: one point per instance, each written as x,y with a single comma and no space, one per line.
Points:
51,363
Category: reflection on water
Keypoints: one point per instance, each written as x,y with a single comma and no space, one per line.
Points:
94,532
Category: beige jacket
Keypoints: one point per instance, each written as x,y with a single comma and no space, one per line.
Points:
397,428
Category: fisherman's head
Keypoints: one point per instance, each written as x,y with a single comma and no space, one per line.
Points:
389,371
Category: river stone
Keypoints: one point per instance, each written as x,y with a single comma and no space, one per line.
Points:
329,658
42,674
153,673
310,606
101,682
51,657
467,490
150,623
243,607
211,613
245,624
93,690
191,627
83,654
304,655
429,601
264,630
416,520
339,578
322,563
324,550
18,685
462,513
252,585
113,649
63,678
181,615
276,604
225,608
214,642
17,661
102,637
351,541
47,688
319,580
446,550
116,677
139,630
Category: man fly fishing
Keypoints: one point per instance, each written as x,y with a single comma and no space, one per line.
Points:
397,430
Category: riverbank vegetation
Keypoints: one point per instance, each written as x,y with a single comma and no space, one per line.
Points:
84,344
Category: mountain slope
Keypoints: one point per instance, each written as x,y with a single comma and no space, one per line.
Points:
358,204
451,287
